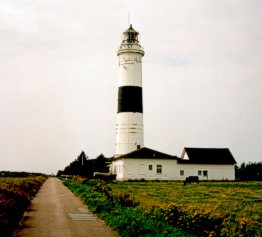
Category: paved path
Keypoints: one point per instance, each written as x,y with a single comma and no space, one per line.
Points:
56,212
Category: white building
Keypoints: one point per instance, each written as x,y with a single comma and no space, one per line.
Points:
207,163
148,164
134,161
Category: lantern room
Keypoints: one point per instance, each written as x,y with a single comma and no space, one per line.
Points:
130,36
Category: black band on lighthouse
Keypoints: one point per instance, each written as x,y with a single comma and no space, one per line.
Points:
130,99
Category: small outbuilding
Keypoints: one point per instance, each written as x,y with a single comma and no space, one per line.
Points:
207,163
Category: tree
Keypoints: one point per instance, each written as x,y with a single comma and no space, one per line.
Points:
78,166
101,164
249,171
86,167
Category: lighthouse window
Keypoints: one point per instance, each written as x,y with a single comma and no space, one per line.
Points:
150,167
181,172
131,37
159,169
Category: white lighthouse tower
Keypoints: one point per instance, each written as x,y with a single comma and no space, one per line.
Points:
129,128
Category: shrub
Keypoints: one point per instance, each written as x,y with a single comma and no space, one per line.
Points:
15,197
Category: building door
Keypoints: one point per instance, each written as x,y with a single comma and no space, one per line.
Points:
205,174
129,169
141,169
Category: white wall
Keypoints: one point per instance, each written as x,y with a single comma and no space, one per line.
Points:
139,169
117,168
214,172
130,69
129,132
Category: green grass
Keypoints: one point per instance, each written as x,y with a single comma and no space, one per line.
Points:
208,209
121,213
238,203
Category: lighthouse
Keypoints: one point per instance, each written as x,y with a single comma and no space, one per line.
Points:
129,127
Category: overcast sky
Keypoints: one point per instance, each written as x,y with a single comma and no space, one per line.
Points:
202,78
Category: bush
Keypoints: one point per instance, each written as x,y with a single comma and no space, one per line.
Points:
15,197
200,225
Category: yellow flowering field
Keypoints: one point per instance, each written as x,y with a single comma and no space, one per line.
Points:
235,206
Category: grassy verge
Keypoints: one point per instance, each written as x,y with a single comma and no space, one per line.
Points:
121,212
15,196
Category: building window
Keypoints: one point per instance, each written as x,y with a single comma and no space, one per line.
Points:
150,167
159,169
205,173
181,172
200,172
